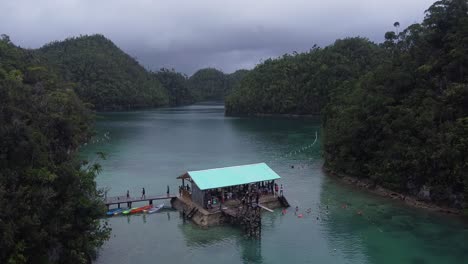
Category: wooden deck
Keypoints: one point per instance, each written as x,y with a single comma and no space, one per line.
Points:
148,198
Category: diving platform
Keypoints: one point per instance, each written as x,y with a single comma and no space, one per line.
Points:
129,200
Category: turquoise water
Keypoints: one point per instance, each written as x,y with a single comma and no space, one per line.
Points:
151,148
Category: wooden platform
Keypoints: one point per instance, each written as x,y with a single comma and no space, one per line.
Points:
123,199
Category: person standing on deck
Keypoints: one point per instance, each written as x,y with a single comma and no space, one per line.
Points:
167,192
128,194
143,193
281,190
276,189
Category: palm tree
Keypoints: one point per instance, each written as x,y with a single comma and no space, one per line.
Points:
396,25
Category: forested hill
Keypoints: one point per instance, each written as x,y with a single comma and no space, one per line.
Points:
395,113
213,84
301,83
404,125
49,205
103,74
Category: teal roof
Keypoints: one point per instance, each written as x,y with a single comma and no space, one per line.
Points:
230,176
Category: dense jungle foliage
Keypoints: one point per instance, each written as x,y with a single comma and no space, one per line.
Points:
396,113
109,79
405,124
103,74
212,84
49,204
301,83
177,86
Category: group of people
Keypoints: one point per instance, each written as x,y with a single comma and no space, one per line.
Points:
184,188
246,193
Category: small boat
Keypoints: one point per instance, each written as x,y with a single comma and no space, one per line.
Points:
126,212
119,211
111,211
154,209
141,209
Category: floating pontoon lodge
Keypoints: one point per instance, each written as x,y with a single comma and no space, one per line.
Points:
230,194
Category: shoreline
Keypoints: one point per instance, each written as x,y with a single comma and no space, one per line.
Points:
294,116
368,185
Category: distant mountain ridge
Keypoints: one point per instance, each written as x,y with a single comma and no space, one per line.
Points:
104,75
110,79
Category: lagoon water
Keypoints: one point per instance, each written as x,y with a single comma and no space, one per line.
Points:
151,148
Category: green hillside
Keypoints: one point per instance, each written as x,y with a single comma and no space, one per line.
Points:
49,204
103,74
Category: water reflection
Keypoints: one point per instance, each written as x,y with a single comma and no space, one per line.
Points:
197,237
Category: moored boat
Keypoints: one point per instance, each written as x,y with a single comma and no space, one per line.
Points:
126,212
154,209
111,211
140,209
119,211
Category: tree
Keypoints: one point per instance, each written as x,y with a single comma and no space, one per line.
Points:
49,206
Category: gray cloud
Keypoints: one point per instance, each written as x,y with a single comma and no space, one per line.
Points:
187,35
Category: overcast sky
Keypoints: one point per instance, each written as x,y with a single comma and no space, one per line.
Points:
192,34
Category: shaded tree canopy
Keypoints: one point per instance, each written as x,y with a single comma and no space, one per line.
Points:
302,83
103,74
49,205
177,86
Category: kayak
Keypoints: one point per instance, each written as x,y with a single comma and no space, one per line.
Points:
141,209
154,209
111,211
129,210
119,211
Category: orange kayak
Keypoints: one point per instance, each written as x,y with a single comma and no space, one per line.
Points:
141,209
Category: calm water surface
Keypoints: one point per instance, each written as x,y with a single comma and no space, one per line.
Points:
151,148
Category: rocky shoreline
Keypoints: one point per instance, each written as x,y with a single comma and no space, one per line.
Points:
379,190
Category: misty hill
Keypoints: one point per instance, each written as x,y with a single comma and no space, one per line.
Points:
176,84
213,84
300,83
395,114
104,75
